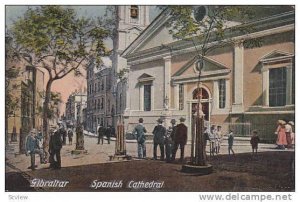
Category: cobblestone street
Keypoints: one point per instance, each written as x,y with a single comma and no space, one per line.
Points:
81,170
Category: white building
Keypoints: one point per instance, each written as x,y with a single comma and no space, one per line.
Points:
74,106
239,84
132,20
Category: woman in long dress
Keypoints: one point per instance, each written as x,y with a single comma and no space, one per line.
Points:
281,135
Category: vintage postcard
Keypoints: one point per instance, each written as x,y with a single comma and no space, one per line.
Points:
148,98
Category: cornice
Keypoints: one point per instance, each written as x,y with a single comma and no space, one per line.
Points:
267,26
182,48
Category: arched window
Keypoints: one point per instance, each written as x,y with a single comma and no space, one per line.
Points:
204,98
200,92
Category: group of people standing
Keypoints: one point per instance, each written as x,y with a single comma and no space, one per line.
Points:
285,134
168,140
105,131
215,137
57,138
34,142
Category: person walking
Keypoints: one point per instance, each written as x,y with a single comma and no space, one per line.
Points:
159,135
107,134
70,136
281,135
56,145
100,131
32,148
230,143
169,140
289,132
254,142
139,132
112,131
63,133
180,139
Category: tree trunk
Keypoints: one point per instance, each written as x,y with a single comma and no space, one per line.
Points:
6,126
45,117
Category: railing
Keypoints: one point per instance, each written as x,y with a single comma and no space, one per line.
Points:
239,129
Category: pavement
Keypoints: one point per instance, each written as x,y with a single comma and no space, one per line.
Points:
100,153
96,164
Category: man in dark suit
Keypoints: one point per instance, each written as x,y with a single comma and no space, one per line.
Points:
100,131
180,139
159,135
107,134
139,132
55,146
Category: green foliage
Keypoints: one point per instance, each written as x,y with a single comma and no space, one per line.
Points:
11,102
217,25
59,41
122,73
55,101
55,39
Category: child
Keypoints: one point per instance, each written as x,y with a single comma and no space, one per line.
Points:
254,142
219,139
230,142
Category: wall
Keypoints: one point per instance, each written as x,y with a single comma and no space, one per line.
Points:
252,67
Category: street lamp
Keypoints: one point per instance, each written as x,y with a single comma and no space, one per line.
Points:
198,162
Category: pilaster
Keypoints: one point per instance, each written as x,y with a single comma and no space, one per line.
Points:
238,75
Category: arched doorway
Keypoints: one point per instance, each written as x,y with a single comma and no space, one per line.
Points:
204,99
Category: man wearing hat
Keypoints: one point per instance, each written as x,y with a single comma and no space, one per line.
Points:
139,131
159,135
288,132
32,148
169,140
180,139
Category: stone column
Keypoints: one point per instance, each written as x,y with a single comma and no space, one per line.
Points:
238,75
167,77
227,99
265,73
79,141
147,21
289,84
176,96
127,93
141,97
216,95
167,91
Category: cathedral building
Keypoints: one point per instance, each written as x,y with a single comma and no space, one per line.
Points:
242,88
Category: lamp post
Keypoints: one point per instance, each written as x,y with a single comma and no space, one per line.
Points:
79,149
120,146
198,163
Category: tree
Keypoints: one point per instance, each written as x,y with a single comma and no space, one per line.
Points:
55,100
207,28
11,72
57,41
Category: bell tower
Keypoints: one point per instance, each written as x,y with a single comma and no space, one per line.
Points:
131,21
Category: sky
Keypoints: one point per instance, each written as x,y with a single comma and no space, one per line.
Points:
68,84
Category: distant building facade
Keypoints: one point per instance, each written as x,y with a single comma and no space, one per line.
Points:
74,106
27,90
100,106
